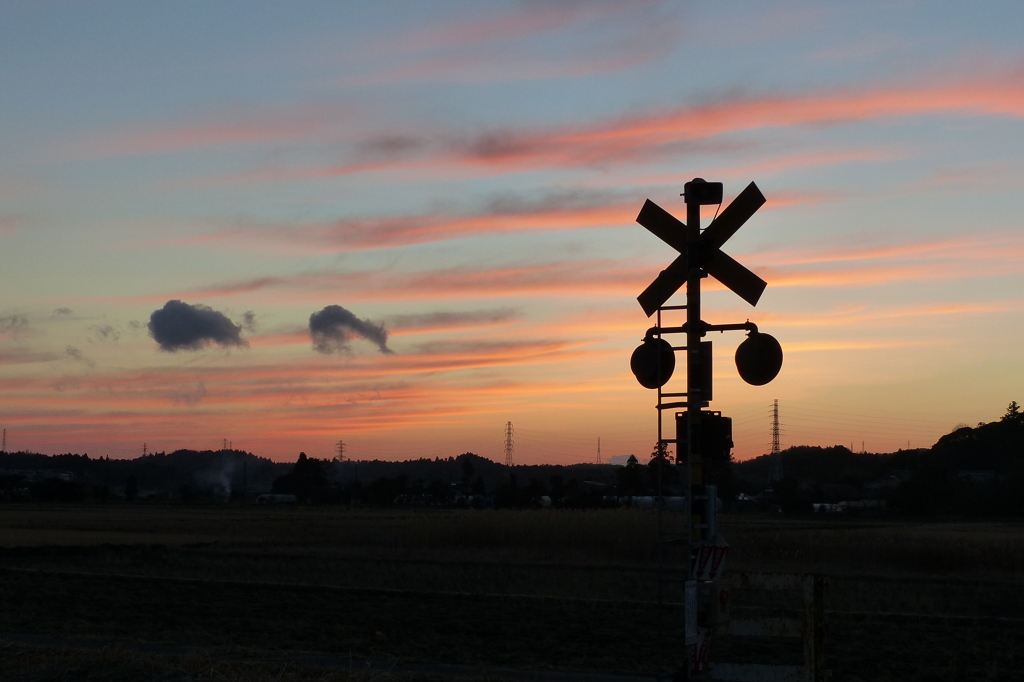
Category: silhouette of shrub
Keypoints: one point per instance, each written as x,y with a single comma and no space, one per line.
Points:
57,490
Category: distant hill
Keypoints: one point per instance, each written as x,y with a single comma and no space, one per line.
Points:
182,473
834,465
454,470
218,475
972,470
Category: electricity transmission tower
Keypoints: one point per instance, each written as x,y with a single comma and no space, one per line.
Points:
4,448
340,449
775,472
599,449
508,444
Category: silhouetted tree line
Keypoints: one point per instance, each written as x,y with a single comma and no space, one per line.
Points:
183,474
474,481
972,471
465,485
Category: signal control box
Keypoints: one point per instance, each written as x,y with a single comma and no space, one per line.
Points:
712,435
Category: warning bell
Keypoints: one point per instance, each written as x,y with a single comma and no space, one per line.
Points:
653,362
759,358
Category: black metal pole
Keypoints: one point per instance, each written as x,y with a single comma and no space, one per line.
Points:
693,335
659,501
693,393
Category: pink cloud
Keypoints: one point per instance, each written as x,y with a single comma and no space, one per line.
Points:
786,162
531,20
863,315
428,385
528,21
233,128
926,260
373,233
632,139
648,135
481,51
1000,246
10,225
356,234
499,68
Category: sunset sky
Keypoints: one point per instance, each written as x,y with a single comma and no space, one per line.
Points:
467,175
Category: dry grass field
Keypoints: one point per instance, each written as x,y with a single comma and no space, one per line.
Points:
544,589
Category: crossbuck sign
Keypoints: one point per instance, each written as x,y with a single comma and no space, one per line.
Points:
707,250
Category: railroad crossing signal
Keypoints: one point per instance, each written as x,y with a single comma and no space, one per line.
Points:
706,253
703,437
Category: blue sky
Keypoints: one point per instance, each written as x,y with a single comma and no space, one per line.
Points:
466,176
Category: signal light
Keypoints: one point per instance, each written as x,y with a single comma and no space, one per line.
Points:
653,362
759,358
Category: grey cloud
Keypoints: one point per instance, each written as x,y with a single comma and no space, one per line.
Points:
510,203
500,144
332,328
475,345
77,355
249,321
19,356
66,383
180,326
13,324
62,312
455,319
390,146
191,395
106,332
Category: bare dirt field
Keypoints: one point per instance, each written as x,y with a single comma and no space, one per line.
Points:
247,591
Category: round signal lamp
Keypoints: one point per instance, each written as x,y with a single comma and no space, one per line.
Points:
653,362
759,358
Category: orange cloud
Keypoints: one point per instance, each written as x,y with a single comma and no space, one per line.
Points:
579,278
774,166
1000,246
861,315
360,234
741,113
856,344
554,213
433,384
941,260
639,136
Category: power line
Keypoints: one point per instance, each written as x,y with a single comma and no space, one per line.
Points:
868,415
